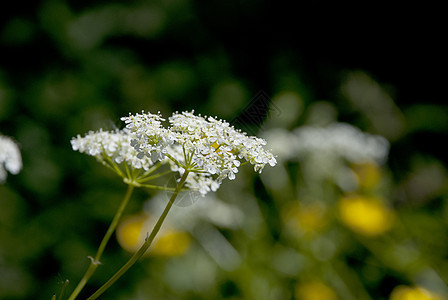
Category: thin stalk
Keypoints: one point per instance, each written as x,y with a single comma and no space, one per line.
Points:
142,179
145,245
64,287
157,187
185,155
152,169
127,171
95,261
135,173
175,161
113,165
108,165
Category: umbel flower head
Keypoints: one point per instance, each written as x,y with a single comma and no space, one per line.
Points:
208,149
10,158
150,136
111,147
205,145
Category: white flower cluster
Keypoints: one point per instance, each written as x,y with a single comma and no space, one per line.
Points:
151,137
199,182
209,145
202,183
115,145
10,158
209,149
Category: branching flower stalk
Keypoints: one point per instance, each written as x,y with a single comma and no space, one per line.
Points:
203,151
95,261
146,244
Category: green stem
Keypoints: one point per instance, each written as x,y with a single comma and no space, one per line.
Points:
152,169
175,161
64,287
145,245
157,187
113,165
142,179
95,261
127,171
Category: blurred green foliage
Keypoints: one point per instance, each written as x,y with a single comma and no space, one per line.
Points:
68,67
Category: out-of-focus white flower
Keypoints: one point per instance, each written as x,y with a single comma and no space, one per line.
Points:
283,143
10,158
201,220
338,140
208,146
326,152
343,140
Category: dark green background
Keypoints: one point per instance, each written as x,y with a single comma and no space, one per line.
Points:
67,67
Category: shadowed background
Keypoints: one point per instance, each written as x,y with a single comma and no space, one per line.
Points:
67,67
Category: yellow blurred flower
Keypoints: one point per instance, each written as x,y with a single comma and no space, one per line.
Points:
306,218
132,231
129,232
402,292
314,290
365,215
368,174
171,243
